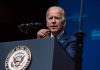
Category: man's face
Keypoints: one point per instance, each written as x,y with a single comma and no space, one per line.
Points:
55,20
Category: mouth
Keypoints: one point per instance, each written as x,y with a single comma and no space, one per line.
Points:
53,26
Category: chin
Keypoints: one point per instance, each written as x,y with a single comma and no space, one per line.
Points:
54,31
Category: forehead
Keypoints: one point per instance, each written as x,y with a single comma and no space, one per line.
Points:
54,11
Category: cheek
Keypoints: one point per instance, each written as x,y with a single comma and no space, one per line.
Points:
60,26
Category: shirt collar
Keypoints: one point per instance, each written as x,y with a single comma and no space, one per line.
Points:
59,35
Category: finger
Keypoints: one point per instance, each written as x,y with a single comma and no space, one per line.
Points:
45,31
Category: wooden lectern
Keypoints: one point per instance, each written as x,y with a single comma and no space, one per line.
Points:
46,54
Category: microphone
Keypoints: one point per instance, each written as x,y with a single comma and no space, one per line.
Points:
24,27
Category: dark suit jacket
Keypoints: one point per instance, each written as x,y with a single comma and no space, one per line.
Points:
68,43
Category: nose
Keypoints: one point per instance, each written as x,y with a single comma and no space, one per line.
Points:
53,21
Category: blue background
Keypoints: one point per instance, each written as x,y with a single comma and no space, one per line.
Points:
90,26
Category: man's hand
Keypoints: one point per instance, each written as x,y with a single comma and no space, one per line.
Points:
43,33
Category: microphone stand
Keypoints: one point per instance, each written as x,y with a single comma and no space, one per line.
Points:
79,42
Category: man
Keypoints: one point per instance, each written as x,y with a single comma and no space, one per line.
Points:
55,18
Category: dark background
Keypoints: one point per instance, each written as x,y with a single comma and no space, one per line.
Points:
13,13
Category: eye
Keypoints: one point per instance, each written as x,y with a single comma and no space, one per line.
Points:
57,17
54,17
51,18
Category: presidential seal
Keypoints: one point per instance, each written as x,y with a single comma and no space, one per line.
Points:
18,59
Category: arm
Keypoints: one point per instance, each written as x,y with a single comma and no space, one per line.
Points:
69,45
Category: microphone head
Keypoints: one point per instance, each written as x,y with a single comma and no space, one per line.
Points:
38,24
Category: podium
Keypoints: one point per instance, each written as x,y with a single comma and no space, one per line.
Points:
46,54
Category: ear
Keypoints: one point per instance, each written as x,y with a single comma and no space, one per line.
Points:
47,24
64,23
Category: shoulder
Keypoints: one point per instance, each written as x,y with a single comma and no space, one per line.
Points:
67,37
